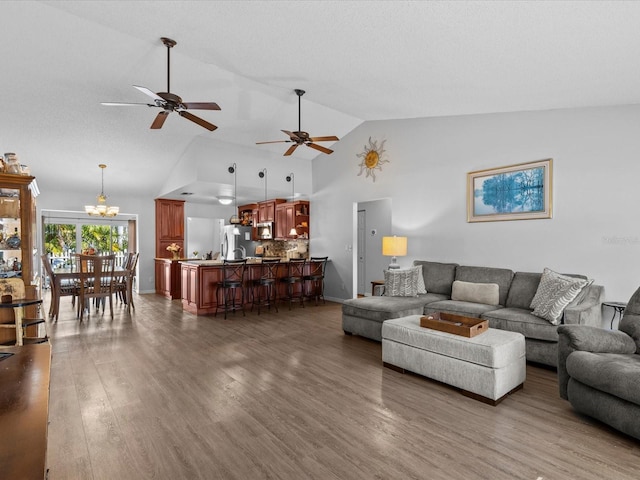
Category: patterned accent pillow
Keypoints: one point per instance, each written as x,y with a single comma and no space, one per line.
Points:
401,283
554,293
422,289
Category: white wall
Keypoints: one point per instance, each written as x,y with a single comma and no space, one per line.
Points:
594,229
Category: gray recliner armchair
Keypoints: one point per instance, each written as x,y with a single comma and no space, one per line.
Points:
599,370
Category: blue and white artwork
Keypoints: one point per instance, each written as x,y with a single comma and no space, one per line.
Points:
521,191
515,192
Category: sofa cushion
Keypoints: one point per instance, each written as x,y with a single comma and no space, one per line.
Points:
486,293
522,290
438,277
468,309
521,320
554,293
501,276
382,308
630,323
401,283
616,374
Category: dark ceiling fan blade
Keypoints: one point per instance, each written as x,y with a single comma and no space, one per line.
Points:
203,123
293,136
148,92
159,120
324,139
319,147
118,104
290,150
201,105
274,141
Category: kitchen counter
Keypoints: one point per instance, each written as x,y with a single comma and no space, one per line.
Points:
200,277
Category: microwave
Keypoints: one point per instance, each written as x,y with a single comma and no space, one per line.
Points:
265,230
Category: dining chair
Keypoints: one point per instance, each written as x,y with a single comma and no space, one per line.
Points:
59,288
294,277
123,286
96,282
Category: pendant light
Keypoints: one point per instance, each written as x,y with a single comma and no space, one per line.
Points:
235,220
101,209
290,178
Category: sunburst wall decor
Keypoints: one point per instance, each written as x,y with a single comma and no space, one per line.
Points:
373,156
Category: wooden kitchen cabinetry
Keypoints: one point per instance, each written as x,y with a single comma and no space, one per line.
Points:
292,215
248,214
267,210
169,225
167,274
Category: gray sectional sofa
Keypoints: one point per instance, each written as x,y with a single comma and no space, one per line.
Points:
364,316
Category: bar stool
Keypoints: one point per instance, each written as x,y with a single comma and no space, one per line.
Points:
295,276
232,280
265,285
314,279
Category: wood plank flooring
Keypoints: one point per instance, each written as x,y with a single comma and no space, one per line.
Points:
162,394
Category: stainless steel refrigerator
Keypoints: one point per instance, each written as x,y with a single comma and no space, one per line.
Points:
235,247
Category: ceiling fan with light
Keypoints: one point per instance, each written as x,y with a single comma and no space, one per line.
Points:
302,138
170,102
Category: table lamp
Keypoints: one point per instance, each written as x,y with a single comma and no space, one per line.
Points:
394,247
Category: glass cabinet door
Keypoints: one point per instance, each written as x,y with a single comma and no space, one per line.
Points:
17,228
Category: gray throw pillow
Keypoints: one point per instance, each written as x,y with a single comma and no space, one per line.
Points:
401,283
554,293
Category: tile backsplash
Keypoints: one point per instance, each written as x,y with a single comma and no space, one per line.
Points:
286,248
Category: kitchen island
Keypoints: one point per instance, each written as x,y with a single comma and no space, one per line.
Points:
200,279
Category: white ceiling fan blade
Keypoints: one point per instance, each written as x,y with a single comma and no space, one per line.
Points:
148,92
117,104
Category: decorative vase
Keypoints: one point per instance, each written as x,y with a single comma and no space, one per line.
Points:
175,255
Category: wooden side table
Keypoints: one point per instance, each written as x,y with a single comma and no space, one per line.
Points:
374,284
618,307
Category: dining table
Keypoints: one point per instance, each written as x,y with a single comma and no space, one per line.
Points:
62,276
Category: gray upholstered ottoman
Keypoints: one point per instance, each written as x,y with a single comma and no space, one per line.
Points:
487,367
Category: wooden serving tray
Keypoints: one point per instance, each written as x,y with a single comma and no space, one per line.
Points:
456,324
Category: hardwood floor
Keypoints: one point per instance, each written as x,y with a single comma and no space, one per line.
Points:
166,395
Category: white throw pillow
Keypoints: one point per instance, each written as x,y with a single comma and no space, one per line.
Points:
554,293
401,283
487,293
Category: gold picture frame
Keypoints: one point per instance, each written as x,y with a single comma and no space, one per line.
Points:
516,192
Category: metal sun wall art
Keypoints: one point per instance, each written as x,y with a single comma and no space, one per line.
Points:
373,156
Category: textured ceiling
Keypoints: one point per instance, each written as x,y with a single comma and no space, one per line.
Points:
357,60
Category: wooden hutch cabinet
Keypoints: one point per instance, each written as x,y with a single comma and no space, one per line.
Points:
169,229
18,248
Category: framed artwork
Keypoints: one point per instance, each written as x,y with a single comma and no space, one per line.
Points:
516,192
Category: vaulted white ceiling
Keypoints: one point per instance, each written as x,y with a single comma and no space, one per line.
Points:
357,60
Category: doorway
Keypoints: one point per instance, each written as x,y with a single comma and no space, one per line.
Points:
373,221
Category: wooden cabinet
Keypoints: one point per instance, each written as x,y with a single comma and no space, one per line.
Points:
167,274
267,210
290,216
248,215
18,248
169,225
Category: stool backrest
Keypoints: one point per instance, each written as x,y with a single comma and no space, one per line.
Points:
233,270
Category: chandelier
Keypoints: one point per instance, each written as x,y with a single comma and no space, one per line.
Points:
101,209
